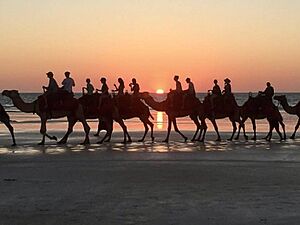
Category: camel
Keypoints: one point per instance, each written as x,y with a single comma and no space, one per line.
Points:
223,108
128,108
174,112
260,108
293,110
71,109
116,109
4,118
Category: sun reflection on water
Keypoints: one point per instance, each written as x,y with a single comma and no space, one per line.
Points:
159,120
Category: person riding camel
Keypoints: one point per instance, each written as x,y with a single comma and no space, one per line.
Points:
68,83
215,92
52,86
189,93
227,87
178,84
89,87
50,89
121,87
134,86
103,90
268,92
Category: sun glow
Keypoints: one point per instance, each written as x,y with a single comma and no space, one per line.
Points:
160,91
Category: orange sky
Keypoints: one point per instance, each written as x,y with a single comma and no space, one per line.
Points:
249,41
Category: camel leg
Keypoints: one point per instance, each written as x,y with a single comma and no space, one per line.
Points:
278,131
80,116
244,131
87,129
71,123
234,128
203,130
296,128
241,125
151,128
178,131
271,127
283,129
43,130
107,137
146,131
11,130
254,128
169,129
124,128
198,126
98,129
214,123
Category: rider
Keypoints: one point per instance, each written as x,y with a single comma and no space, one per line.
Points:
103,90
121,87
215,92
52,86
227,87
268,92
68,83
135,88
189,93
178,84
89,87
50,89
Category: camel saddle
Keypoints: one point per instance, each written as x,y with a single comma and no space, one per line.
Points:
90,104
262,103
58,101
222,103
128,103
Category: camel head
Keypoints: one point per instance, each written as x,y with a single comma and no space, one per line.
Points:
280,98
10,93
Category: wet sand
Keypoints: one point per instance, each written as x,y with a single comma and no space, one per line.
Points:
149,183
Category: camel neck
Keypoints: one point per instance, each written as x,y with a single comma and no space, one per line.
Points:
289,109
158,106
23,106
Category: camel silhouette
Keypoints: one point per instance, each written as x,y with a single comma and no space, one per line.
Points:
108,112
224,107
174,111
257,108
69,108
293,110
4,118
128,108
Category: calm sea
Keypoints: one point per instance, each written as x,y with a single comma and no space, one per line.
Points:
29,122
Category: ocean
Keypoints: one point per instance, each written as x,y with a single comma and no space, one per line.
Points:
29,122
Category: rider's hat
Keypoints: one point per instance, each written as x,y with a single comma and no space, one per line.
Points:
227,80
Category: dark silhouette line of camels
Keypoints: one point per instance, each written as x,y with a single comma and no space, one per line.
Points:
116,109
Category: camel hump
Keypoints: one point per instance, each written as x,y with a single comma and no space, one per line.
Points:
57,101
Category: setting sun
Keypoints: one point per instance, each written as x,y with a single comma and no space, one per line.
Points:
160,91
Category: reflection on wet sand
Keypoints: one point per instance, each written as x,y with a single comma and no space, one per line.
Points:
160,120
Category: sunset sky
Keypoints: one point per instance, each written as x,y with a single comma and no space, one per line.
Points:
249,41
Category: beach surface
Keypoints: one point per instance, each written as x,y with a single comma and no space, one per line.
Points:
240,182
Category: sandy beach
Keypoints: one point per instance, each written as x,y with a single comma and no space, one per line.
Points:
240,182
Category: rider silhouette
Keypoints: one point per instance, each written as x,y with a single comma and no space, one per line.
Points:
268,92
178,84
89,87
68,83
50,89
189,93
121,87
135,88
